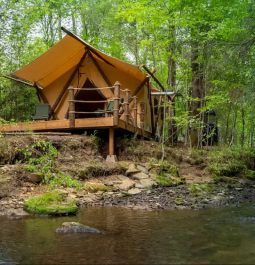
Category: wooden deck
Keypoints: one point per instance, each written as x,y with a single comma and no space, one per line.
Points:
64,125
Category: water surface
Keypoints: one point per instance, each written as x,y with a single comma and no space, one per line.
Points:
225,236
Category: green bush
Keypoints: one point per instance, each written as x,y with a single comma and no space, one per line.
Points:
229,168
40,158
51,203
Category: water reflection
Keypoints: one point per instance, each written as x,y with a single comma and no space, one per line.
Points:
225,236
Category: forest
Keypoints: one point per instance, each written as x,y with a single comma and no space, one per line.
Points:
203,50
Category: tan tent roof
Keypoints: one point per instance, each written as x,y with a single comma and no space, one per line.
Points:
65,55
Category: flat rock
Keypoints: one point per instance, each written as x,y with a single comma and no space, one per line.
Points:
145,183
75,227
132,169
140,175
142,169
134,191
125,183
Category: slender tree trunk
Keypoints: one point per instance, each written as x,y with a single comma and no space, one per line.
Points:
243,127
252,130
171,81
74,23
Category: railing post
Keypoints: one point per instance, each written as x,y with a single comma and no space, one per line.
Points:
116,103
126,106
71,107
135,111
142,116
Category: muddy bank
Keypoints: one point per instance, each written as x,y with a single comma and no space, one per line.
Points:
76,166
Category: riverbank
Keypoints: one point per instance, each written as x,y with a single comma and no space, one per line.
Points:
75,166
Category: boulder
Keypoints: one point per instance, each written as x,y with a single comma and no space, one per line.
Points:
145,183
132,169
134,191
75,227
140,176
143,169
124,183
33,178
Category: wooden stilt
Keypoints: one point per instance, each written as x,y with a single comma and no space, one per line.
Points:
111,156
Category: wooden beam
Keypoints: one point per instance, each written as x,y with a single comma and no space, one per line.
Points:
151,109
111,142
86,44
154,77
141,85
56,125
63,91
19,80
40,93
108,82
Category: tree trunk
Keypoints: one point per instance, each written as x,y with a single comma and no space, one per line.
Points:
197,94
171,81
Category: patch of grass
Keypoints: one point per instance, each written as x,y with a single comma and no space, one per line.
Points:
198,156
167,180
166,174
51,203
228,168
95,187
200,188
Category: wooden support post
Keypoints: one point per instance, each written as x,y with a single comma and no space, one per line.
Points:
111,156
116,103
142,116
71,107
135,111
126,106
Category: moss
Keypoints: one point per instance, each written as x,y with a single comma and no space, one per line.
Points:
168,180
200,188
250,174
165,173
95,187
51,203
179,201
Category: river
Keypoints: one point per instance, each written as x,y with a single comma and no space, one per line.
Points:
216,236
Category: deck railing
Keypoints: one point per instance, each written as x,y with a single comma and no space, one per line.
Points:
121,106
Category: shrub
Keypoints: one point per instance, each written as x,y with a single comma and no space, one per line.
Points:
40,159
51,203
229,168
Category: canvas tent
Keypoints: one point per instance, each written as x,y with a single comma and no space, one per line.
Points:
73,62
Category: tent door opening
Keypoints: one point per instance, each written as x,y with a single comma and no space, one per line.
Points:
91,108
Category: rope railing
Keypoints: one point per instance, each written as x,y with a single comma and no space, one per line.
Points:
120,107
90,88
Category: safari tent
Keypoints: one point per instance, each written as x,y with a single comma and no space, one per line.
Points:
85,88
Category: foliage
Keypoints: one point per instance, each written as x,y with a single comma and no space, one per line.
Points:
210,44
40,159
51,203
166,174
199,189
